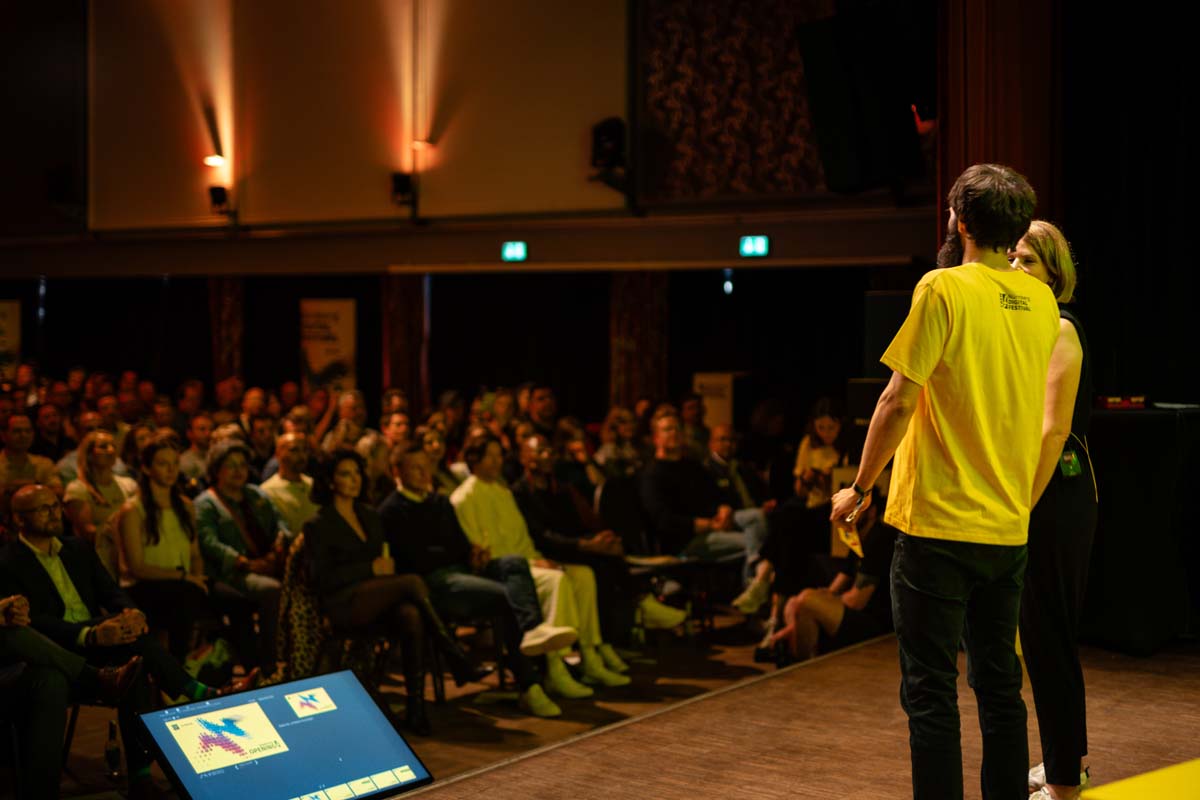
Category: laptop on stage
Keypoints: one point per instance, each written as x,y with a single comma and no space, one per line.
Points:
321,738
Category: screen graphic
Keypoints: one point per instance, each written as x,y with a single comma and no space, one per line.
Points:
314,701
228,737
318,738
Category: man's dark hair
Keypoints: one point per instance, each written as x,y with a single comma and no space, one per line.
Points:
398,454
472,454
995,203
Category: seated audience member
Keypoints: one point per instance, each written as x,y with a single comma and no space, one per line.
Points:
322,412
574,464
164,417
564,528
227,398
193,461
465,581
160,548
254,403
543,410
7,407
695,434
854,607
51,441
189,400
75,602
289,396
739,485
262,445
243,544
53,679
19,467
358,584
289,488
393,401
434,443
147,395
351,422
138,437
685,509
109,409
377,457
489,516
94,498
68,466
619,455
129,407
396,429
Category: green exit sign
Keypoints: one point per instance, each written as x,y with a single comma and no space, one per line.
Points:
514,251
754,246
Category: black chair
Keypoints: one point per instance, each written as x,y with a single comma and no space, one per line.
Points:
437,667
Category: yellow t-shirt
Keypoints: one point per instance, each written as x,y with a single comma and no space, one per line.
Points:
978,341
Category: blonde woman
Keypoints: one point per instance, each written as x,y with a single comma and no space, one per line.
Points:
96,495
1061,528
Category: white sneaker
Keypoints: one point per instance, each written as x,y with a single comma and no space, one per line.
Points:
1037,781
547,638
752,599
660,616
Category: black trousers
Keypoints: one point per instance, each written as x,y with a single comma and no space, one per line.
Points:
1061,530
175,607
944,592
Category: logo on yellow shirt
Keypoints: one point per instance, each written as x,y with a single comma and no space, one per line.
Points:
1014,302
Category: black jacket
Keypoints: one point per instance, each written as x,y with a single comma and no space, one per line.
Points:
22,573
424,536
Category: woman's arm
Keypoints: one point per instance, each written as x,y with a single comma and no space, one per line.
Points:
1062,383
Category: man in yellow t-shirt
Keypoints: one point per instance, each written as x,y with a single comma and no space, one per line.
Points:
963,416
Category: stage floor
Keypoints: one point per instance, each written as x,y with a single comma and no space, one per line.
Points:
833,728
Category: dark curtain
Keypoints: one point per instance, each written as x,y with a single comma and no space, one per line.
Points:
406,337
226,303
638,333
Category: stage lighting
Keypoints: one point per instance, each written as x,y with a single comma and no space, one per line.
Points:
218,198
403,188
215,160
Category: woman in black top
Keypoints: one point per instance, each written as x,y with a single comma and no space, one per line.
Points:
1061,528
357,583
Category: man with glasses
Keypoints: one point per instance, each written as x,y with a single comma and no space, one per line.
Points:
74,602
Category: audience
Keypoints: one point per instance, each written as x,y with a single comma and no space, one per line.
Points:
543,563
358,584
567,592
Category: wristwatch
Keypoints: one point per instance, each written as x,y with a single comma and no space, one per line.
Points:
860,491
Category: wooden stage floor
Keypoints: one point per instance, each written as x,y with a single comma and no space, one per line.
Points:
833,728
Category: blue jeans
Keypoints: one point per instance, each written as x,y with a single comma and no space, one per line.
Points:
944,592
505,593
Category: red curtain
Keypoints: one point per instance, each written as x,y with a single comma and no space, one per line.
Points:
638,318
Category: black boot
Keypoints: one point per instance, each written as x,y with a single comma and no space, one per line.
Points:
461,668
415,718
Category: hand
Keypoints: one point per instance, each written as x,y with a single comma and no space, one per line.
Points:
546,563
198,580
480,556
723,521
134,622
14,611
383,565
769,506
262,566
604,543
844,503
112,632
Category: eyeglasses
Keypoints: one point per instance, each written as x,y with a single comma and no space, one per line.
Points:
48,508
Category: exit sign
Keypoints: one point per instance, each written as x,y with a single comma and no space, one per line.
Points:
514,251
754,246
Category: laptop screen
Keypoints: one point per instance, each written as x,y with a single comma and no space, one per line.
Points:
321,738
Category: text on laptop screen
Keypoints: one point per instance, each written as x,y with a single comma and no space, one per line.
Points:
321,738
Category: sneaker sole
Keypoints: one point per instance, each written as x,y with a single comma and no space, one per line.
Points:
560,641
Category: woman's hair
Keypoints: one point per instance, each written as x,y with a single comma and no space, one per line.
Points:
129,450
608,430
220,450
824,407
83,464
163,440
1048,242
322,489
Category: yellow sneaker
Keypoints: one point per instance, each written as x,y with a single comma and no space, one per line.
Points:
535,701
559,681
660,616
611,660
595,673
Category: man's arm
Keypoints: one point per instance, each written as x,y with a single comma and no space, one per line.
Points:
1062,383
889,423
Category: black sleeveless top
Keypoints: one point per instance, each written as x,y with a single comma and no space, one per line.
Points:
1081,419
